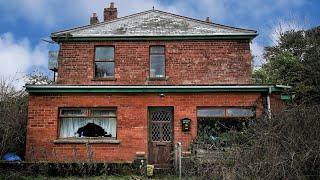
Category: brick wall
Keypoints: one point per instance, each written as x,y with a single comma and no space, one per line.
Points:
132,118
187,62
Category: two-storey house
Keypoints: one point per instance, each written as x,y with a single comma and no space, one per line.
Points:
138,84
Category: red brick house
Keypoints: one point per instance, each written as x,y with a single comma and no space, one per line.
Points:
124,86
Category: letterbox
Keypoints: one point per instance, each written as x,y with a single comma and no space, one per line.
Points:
186,124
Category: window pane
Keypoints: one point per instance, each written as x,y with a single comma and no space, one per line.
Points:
103,112
157,50
237,112
70,126
157,64
104,53
73,112
211,112
104,69
87,127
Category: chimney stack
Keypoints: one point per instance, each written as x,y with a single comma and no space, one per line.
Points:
208,20
110,13
94,19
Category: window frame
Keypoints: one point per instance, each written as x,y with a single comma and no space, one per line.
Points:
106,61
88,114
165,62
225,108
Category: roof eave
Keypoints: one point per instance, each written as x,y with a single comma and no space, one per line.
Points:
69,38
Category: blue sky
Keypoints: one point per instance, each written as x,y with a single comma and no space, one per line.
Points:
23,23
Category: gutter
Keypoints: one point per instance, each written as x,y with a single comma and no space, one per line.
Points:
146,89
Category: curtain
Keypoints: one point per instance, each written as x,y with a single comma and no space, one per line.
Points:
70,126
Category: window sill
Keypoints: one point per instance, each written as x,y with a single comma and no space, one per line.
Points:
86,140
157,78
105,79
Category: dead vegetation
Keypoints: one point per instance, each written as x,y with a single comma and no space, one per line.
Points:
13,118
284,147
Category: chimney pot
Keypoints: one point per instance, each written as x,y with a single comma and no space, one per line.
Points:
110,13
94,19
208,20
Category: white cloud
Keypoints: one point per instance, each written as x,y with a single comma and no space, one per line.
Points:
17,57
257,51
215,9
61,13
58,12
257,8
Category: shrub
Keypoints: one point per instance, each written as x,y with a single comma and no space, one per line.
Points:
283,147
287,146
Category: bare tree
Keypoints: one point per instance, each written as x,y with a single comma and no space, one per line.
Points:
38,77
13,117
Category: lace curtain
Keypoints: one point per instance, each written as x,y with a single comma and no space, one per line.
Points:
70,126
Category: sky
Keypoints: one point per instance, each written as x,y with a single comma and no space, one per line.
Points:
24,23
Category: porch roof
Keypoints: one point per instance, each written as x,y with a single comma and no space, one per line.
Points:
153,89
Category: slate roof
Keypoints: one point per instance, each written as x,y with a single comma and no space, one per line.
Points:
153,23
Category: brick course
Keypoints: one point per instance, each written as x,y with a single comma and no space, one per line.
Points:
187,62
132,118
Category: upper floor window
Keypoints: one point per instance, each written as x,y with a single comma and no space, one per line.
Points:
104,62
157,62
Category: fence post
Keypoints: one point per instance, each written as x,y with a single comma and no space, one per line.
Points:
176,158
179,156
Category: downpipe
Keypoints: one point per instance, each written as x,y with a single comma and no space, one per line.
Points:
269,103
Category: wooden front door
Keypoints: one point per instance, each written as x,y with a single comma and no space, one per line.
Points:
160,136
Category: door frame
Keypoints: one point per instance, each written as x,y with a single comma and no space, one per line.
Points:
171,108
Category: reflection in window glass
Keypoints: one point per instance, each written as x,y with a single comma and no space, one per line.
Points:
226,112
102,112
157,50
104,69
236,112
211,112
104,62
73,112
157,66
104,53
157,62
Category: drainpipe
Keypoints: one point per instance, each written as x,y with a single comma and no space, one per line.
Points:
268,102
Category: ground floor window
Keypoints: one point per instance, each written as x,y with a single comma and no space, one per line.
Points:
87,122
215,122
